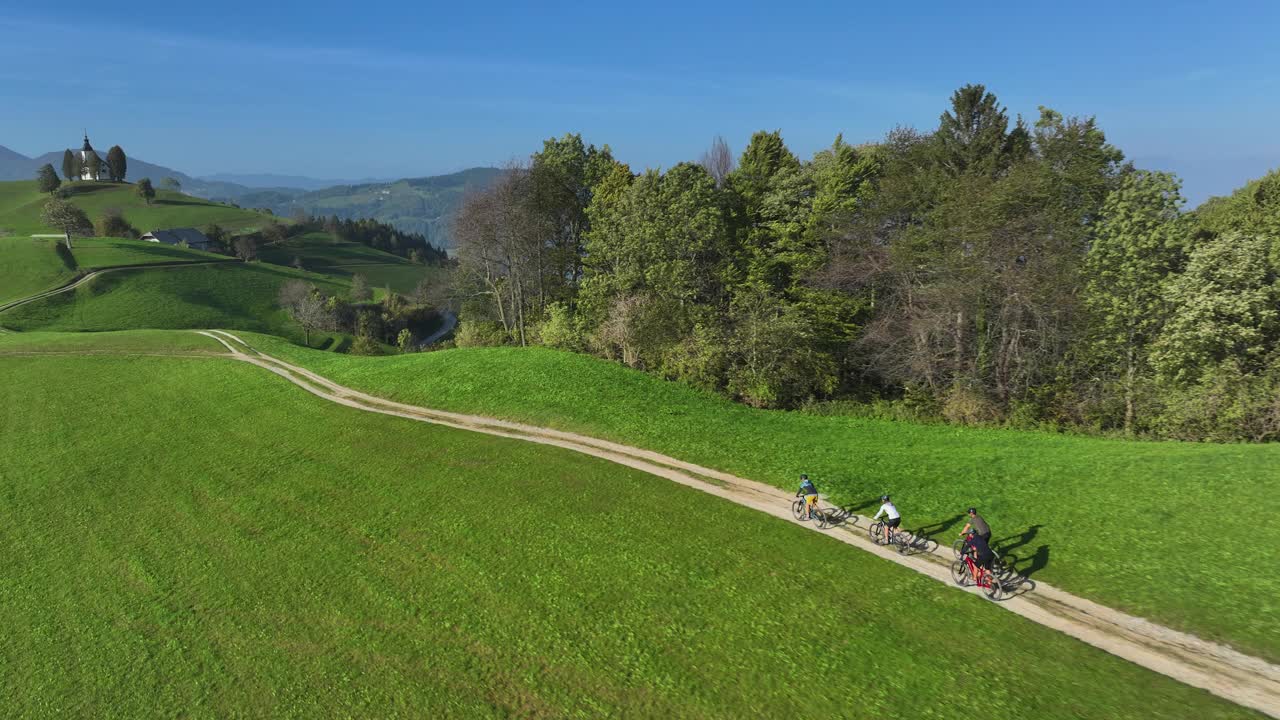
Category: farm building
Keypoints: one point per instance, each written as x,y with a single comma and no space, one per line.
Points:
191,237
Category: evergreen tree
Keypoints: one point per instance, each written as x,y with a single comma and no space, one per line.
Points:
117,163
70,166
972,135
47,180
145,191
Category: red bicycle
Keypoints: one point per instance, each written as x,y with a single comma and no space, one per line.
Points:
966,571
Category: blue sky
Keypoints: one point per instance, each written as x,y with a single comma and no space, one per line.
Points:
398,88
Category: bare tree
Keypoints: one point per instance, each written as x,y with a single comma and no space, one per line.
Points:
501,247
307,306
292,293
246,248
718,160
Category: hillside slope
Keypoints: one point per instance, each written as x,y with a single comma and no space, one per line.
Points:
233,295
418,205
20,206
1058,503
32,265
245,546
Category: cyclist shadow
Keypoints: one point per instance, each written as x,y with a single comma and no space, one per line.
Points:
838,515
1020,579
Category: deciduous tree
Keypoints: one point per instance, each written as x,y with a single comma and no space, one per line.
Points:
68,218
117,163
47,180
1136,246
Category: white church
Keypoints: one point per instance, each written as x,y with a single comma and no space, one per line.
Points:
89,169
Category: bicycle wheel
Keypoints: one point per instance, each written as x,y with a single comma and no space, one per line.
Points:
904,541
821,519
876,532
957,547
994,587
797,509
959,573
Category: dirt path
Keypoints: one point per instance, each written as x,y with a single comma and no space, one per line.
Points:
1243,679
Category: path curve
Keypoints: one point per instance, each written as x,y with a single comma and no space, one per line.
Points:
1221,670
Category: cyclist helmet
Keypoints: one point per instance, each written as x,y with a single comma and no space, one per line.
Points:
973,511
804,476
884,498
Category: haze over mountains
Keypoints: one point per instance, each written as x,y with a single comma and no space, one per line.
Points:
420,205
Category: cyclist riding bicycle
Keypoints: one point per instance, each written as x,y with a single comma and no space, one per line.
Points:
892,517
978,525
809,493
982,555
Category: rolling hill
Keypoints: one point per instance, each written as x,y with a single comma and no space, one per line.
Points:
1041,492
20,205
247,549
232,295
418,205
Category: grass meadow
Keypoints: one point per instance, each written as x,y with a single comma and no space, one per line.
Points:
232,295
20,205
1133,525
321,253
197,537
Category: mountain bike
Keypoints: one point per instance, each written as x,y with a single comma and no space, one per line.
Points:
900,537
800,513
998,565
965,571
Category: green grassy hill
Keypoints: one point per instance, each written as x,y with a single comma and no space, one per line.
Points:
322,253
20,206
31,265
233,295
222,543
1134,525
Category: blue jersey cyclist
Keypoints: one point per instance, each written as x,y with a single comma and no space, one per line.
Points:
809,493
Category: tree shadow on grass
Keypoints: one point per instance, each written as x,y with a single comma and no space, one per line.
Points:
932,529
1006,545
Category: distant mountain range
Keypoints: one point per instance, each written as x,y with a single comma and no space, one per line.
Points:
268,180
422,205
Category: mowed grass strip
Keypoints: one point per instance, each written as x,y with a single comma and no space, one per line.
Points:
1133,525
232,295
198,537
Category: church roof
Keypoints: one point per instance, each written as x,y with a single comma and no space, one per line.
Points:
87,146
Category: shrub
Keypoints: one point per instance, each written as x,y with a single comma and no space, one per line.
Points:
562,329
113,224
475,333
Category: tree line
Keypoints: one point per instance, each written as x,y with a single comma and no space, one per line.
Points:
987,271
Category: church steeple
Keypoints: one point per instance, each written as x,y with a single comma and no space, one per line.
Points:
87,146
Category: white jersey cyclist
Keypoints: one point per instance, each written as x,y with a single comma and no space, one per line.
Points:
892,517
